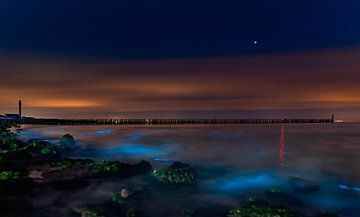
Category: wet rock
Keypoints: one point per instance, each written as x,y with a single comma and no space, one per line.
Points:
187,213
304,185
16,186
255,201
142,167
67,142
85,212
68,184
327,215
108,209
15,160
278,197
177,174
253,211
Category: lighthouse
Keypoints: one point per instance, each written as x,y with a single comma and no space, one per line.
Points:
19,108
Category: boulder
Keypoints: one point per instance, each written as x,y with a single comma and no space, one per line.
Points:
67,142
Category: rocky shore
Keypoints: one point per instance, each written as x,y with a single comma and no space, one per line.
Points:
36,167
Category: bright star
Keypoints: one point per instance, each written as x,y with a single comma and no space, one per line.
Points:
255,42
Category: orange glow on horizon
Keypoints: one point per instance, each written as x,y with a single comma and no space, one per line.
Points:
64,104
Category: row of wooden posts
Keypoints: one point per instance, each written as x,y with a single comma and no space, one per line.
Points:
35,121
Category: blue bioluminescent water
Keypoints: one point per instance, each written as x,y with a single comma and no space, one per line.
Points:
136,136
140,150
102,132
346,187
162,160
231,162
30,133
241,182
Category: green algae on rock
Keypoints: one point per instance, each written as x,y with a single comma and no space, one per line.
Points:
112,167
253,211
10,175
41,147
177,173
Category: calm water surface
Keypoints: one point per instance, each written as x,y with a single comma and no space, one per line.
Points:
232,162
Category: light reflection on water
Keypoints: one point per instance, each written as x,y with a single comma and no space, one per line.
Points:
236,159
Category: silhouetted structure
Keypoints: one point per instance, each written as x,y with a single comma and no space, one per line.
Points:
19,108
18,119
173,121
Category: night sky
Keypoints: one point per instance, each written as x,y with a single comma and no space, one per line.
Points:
125,58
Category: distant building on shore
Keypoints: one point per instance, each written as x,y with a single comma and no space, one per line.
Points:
13,116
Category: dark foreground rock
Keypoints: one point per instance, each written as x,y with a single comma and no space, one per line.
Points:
253,211
107,209
304,185
277,197
119,169
15,207
327,215
254,200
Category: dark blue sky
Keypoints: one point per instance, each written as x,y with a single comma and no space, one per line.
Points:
130,29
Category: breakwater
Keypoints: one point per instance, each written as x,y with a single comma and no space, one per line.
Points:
43,121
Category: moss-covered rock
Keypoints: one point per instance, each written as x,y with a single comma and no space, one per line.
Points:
109,167
62,164
253,211
177,174
10,175
70,163
41,147
9,142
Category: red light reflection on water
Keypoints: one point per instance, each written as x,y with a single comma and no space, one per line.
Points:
282,146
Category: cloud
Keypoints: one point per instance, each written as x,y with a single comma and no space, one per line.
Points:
307,80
